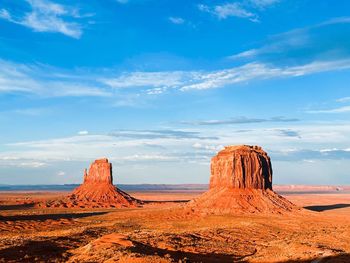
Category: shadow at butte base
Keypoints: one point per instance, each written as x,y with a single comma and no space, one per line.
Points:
341,258
43,217
321,208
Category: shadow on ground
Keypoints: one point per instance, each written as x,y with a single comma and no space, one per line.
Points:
341,258
16,207
321,208
46,251
43,217
186,256
57,250
49,250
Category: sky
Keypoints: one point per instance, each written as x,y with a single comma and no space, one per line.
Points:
159,87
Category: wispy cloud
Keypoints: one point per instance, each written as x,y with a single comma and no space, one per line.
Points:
241,9
308,42
47,16
228,10
310,154
240,120
254,71
263,3
333,110
21,162
246,54
46,81
163,134
212,148
148,79
158,82
61,173
135,146
176,20
283,141
289,133
84,132
31,111
344,99
277,44
4,14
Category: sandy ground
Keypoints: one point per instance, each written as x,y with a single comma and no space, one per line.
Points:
162,232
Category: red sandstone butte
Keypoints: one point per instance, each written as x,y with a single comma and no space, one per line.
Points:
240,182
241,167
97,190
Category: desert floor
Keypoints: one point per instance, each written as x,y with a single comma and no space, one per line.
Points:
162,232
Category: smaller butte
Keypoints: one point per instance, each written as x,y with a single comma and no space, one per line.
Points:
240,182
97,190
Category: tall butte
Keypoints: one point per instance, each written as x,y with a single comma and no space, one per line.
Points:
97,190
240,182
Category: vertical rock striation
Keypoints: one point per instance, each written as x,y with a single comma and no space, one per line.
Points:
241,167
240,182
97,190
100,172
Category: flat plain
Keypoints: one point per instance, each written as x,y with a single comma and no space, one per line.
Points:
161,231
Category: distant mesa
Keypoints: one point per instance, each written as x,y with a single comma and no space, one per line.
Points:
97,190
240,182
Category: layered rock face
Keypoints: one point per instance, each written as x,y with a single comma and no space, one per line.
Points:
240,182
100,172
241,167
97,190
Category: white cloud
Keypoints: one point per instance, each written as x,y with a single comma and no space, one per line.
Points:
47,16
313,141
344,99
61,173
174,150
241,120
212,148
148,79
176,20
295,39
89,147
187,80
147,151
32,164
148,157
263,3
156,91
334,110
83,132
245,54
228,10
31,111
47,81
4,14
280,43
243,9
22,162
254,71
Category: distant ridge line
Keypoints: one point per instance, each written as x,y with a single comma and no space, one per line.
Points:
175,187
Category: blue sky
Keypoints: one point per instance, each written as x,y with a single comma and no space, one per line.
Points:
159,87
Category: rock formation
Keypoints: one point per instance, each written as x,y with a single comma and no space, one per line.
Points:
241,167
97,190
241,182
